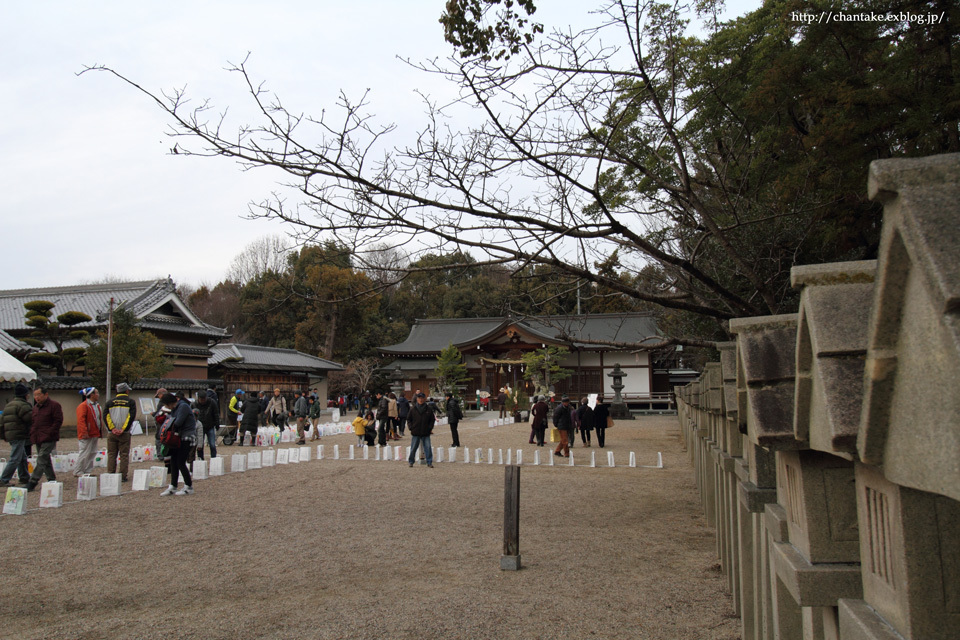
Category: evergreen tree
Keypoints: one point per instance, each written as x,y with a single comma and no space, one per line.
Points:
58,332
543,367
450,371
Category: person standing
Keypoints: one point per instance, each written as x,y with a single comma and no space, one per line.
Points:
383,418
315,411
421,420
250,421
120,414
45,433
277,408
301,409
454,415
236,407
89,426
585,418
184,424
601,417
561,420
208,414
360,428
574,425
502,401
393,416
263,400
540,411
15,429
403,410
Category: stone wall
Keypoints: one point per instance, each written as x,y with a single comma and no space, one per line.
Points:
826,443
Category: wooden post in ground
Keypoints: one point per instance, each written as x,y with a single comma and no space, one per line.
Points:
510,560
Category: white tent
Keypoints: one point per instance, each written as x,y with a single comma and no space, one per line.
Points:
12,370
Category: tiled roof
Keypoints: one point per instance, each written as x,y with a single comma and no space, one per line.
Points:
247,356
90,299
145,384
11,345
432,336
140,297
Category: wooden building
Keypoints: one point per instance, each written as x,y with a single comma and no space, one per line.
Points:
493,349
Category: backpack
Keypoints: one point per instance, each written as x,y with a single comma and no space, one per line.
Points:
168,436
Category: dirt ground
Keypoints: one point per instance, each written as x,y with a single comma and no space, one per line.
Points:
375,549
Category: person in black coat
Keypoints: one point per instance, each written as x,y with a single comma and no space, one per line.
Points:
600,415
562,421
454,415
250,421
421,420
586,416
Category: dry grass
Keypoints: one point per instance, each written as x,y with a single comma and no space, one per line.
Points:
365,549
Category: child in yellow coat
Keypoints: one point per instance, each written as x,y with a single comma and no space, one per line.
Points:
360,424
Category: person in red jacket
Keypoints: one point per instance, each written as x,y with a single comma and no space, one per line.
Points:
45,433
89,429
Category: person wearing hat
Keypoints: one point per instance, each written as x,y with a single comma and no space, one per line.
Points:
454,415
89,426
120,415
15,429
562,421
421,420
236,406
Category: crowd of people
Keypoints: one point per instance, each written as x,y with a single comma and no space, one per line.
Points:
193,424
568,419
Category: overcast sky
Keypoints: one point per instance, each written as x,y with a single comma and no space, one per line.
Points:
89,188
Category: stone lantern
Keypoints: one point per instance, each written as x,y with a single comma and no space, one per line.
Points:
618,408
397,376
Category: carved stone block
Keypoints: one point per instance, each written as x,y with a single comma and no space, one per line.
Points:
831,350
766,378
910,556
817,492
914,330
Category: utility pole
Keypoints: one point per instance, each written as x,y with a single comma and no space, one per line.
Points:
107,391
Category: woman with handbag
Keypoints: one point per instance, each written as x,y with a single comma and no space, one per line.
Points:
601,420
179,435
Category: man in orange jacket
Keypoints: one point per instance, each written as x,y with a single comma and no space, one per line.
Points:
89,426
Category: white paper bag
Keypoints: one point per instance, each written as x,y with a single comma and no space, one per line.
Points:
283,456
100,459
136,429
86,487
15,502
254,459
110,484
141,479
199,470
247,439
304,454
216,466
294,455
158,476
269,458
238,463
51,495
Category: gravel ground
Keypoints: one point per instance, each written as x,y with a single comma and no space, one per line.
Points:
365,549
